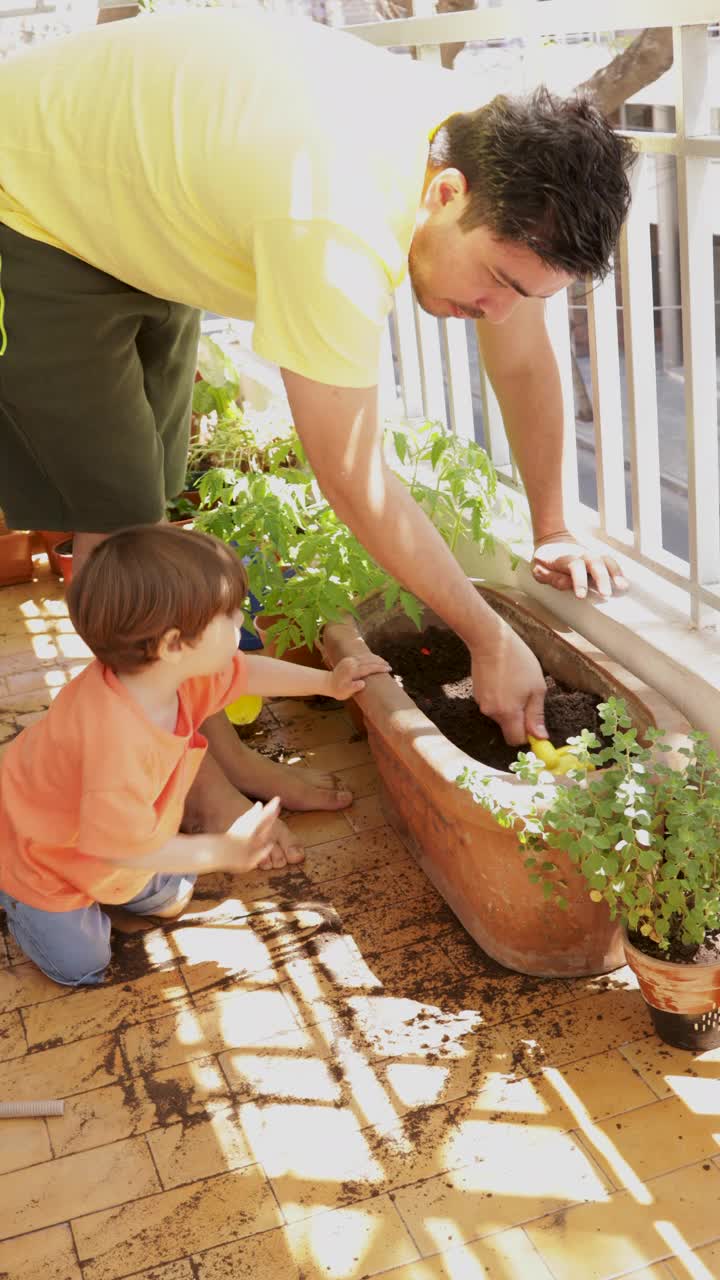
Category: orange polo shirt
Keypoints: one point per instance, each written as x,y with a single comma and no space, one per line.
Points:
96,780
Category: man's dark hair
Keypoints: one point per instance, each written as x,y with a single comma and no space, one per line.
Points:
543,171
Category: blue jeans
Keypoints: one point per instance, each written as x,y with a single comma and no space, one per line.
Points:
73,947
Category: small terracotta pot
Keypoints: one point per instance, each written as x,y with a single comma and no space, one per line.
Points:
50,538
303,656
63,558
15,558
683,999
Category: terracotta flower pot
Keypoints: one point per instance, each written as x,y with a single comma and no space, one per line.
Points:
475,863
50,539
683,999
301,654
63,559
15,558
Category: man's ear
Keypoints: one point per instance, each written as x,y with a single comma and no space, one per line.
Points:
170,646
445,185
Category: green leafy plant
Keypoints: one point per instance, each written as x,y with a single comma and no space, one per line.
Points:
644,835
226,435
279,519
451,478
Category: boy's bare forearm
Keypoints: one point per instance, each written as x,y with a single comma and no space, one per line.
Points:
272,678
180,855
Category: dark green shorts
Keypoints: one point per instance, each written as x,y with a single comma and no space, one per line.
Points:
95,393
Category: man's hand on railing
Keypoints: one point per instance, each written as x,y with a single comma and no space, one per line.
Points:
561,561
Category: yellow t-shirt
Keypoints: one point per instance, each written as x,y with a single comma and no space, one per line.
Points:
260,167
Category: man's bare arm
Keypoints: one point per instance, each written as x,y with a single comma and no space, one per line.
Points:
340,430
520,362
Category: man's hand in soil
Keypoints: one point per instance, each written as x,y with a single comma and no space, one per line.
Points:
561,561
509,685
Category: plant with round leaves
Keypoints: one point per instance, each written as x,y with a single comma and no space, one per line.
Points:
644,835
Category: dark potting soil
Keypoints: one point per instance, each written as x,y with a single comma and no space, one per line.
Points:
708,952
433,668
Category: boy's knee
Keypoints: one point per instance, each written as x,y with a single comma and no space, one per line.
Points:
74,953
81,968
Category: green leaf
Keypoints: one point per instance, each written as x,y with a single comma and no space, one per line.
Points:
412,607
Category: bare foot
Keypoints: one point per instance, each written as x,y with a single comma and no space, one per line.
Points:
214,804
299,789
255,775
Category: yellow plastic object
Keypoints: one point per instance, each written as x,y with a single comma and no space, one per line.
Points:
557,760
244,710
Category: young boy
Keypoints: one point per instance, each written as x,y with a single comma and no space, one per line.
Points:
92,795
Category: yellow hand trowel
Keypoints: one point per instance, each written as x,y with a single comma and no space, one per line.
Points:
244,710
557,760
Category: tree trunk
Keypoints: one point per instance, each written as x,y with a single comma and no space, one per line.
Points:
647,58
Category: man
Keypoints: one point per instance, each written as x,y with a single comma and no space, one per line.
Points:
273,169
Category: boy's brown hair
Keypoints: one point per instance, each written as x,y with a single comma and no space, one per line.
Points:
145,581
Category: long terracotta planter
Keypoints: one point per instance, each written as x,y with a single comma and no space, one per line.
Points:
476,864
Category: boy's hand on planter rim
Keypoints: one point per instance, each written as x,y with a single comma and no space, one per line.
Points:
509,685
348,677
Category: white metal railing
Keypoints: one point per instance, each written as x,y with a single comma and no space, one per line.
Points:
432,358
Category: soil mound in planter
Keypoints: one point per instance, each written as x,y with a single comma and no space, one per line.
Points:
433,668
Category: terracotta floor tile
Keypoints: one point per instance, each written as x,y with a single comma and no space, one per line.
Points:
224,896
12,1036
181,1270
24,985
162,1228
286,710
433,977
22,1143
362,779
190,1092
233,947
317,985
624,1235
279,1072
48,1254
366,814
54,1192
97,1009
579,1029
398,924
16,706
104,1115
505,1256
196,1149
319,828
372,887
61,1072
517,1174
662,1136
314,1155
602,1085
479,1070
702,1265
338,755
658,1271
675,1072
619,980
240,1019
391,1026
355,854
342,1244
318,730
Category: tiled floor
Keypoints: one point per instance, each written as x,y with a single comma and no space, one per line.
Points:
317,1076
